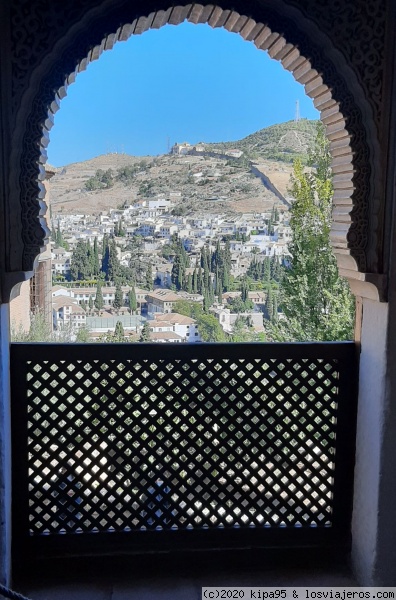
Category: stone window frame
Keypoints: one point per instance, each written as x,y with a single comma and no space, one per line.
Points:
337,92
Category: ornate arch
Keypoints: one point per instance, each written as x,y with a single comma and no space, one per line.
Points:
287,35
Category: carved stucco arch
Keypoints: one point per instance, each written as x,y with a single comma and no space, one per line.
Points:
327,79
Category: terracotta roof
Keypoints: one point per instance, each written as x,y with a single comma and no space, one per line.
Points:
165,335
174,319
165,295
59,301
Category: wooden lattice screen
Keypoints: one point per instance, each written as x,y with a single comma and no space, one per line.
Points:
144,445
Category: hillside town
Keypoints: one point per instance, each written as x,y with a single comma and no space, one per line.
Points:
147,229
143,238
151,271
206,243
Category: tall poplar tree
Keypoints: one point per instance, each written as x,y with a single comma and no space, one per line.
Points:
316,302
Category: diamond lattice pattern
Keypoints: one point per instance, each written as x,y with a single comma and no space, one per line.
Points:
120,446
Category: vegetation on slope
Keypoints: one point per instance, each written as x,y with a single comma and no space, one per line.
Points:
284,142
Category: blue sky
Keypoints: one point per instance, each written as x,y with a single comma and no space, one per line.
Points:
186,83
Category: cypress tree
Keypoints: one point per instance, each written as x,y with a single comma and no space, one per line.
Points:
275,309
95,257
105,259
58,236
132,301
270,304
80,266
118,299
149,277
99,302
206,276
105,243
267,268
218,287
145,333
119,334
113,264
226,280
244,290
189,283
195,282
200,281
206,301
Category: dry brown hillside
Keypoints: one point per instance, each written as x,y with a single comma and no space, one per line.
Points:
206,184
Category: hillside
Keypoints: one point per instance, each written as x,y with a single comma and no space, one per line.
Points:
207,184
283,142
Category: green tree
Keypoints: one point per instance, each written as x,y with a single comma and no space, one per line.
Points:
149,277
178,272
95,257
240,331
82,335
119,335
244,290
238,305
195,282
132,301
90,303
316,302
187,308
118,298
210,329
99,302
80,267
145,333
206,301
58,237
267,269
219,287
113,263
121,230
40,330
189,285
105,256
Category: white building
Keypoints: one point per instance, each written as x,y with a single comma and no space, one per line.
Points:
60,266
184,327
66,312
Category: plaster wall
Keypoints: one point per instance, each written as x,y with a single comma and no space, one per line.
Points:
20,308
5,448
370,424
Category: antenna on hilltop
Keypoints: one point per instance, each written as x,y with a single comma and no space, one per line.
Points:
297,113
168,143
